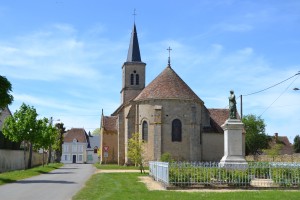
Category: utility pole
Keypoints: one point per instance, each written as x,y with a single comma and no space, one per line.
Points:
241,107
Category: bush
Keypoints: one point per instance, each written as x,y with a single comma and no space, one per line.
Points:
166,157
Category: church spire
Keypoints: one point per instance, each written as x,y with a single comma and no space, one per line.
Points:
134,49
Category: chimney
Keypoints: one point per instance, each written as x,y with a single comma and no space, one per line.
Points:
276,136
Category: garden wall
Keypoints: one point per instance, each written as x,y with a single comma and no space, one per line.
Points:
14,160
280,158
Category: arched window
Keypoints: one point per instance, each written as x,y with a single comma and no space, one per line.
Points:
145,131
131,79
176,130
137,79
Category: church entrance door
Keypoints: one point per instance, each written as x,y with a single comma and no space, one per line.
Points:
74,158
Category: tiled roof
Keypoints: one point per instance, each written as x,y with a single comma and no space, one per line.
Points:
217,119
76,133
219,115
167,85
109,123
287,147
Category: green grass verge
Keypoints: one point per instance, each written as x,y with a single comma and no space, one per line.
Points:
127,186
114,166
10,177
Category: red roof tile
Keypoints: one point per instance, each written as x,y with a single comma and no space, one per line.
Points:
167,85
75,133
110,123
287,147
219,115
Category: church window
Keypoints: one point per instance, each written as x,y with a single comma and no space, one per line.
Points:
131,79
145,131
137,79
176,130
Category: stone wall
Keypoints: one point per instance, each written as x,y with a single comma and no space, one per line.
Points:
188,112
212,146
281,158
14,160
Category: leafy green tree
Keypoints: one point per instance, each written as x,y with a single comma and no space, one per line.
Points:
44,134
59,141
22,127
274,151
135,150
5,89
96,131
256,140
297,144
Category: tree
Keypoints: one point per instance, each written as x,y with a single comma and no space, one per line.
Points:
59,141
135,150
44,139
256,139
296,144
5,89
274,151
22,127
96,131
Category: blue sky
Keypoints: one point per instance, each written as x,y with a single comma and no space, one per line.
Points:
65,57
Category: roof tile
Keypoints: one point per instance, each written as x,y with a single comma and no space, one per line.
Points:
75,133
167,85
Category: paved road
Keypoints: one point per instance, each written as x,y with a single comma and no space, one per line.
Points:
60,184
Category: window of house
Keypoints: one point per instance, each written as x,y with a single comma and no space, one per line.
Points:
137,79
95,149
65,147
131,79
80,148
66,157
176,130
145,131
74,148
79,157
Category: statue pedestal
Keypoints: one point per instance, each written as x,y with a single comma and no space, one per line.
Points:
233,145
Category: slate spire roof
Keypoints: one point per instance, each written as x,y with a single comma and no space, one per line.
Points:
168,85
134,49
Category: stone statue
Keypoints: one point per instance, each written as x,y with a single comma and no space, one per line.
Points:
232,105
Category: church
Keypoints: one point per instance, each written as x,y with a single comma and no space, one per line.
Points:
169,116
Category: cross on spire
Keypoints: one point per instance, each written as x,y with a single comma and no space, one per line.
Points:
134,14
169,59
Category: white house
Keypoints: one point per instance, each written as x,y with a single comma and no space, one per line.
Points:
79,147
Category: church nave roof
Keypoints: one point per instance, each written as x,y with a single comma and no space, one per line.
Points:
168,85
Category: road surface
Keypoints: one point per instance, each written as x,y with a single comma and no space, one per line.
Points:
60,184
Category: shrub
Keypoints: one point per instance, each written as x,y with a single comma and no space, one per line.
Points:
166,157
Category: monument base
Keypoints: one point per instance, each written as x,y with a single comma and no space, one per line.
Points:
233,145
235,162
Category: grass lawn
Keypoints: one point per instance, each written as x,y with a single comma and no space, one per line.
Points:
9,177
126,186
114,166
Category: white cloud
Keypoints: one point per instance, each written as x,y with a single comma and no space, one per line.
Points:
236,27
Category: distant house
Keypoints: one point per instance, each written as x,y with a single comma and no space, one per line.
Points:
79,147
287,147
5,143
92,150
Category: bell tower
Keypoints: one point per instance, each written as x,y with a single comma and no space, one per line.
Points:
133,70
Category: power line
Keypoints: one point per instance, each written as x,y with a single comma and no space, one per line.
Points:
272,85
241,97
279,96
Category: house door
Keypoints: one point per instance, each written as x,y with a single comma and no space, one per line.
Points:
74,158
